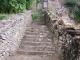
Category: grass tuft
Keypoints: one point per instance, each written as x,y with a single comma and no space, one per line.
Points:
2,16
35,15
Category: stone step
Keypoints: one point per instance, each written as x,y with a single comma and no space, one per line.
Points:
36,33
42,23
36,43
36,48
36,52
36,30
36,39
38,36
37,26
43,46
39,22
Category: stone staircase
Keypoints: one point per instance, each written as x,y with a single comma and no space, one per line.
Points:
36,41
36,44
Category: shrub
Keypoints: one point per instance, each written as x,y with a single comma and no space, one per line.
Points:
10,6
74,8
78,4
77,15
70,3
29,3
38,1
40,9
3,5
35,15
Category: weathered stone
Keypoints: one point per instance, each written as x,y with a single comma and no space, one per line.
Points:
61,38
12,32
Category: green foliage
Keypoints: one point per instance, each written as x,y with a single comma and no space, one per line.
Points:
3,16
78,4
38,1
40,9
17,5
29,4
70,3
74,8
77,15
3,5
53,11
12,6
35,15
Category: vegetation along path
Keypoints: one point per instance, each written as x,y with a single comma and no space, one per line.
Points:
36,44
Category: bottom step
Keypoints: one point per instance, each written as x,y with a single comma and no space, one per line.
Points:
37,53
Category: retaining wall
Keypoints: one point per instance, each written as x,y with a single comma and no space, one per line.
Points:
11,32
66,36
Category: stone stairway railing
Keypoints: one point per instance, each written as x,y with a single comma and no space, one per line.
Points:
66,36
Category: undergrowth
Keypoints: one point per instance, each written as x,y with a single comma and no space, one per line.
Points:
74,6
35,15
2,16
53,11
77,15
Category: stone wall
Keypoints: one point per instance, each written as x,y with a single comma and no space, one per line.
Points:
11,32
66,36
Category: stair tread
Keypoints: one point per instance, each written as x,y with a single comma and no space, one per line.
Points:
36,53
